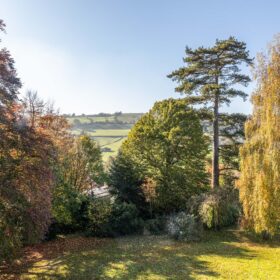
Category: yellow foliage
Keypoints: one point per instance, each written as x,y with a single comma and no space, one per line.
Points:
259,183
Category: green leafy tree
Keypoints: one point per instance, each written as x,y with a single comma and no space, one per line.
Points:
209,78
78,169
260,154
66,203
82,165
168,146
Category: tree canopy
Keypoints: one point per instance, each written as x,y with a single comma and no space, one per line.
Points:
260,154
209,78
167,145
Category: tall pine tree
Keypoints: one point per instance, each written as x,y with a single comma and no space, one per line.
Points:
260,155
209,78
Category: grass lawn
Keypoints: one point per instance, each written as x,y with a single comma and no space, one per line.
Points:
223,255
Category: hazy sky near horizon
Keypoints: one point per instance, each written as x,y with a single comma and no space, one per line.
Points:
114,55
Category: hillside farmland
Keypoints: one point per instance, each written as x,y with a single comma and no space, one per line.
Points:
109,130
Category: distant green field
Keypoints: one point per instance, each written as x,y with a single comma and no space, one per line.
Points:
103,132
125,118
108,131
109,141
106,141
82,120
113,146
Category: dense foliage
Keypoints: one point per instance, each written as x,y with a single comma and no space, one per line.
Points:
125,219
159,180
231,138
216,209
43,170
126,180
184,227
113,219
167,150
78,171
260,154
209,78
27,150
99,213
82,164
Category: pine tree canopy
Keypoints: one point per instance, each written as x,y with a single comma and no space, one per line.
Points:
213,70
209,78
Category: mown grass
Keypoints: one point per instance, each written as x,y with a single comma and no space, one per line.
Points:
223,255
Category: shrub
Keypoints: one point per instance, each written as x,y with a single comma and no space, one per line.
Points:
125,219
11,230
220,209
56,228
194,203
185,227
216,209
99,214
209,212
66,202
156,226
69,210
107,219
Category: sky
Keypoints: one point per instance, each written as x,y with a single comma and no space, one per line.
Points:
92,56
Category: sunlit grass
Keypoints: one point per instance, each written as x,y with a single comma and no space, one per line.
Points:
220,256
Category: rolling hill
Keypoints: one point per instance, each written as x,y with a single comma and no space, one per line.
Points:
109,130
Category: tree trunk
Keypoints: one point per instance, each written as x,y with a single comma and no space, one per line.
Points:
215,158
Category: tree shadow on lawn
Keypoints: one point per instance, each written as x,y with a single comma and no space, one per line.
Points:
252,238
140,258
46,251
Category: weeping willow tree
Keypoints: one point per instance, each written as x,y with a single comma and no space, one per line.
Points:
260,155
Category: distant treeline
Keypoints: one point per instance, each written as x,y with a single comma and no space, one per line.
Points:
135,115
100,125
117,120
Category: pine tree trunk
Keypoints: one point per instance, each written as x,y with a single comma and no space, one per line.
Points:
215,158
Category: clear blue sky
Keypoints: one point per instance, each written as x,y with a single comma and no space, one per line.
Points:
111,55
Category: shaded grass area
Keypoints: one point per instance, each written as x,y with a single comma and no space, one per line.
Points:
223,255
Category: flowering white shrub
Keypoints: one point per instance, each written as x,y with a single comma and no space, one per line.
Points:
185,227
